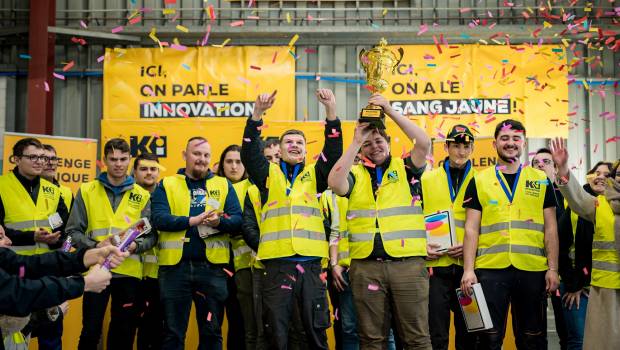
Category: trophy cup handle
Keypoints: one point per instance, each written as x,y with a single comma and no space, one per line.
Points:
362,61
402,53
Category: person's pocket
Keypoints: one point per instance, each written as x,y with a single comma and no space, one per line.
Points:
320,313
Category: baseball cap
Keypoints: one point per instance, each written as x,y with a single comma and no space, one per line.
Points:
460,134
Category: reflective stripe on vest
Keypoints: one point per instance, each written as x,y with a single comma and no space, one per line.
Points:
512,233
605,259
291,220
242,254
103,221
151,259
393,213
178,195
21,212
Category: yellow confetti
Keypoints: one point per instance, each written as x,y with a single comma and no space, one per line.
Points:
530,9
288,17
585,85
293,40
183,29
565,42
222,44
134,14
176,41
169,11
594,29
120,51
153,36
483,41
385,11
547,24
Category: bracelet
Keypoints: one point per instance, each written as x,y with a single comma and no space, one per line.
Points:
553,269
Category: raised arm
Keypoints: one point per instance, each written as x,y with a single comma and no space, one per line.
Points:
580,201
422,143
251,153
332,148
338,176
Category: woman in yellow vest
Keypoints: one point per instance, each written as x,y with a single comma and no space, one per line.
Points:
511,240
386,234
603,316
292,238
239,305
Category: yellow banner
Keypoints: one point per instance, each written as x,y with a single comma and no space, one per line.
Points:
482,85
483,156
78,157
188,82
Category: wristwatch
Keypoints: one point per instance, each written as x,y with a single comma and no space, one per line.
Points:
332,264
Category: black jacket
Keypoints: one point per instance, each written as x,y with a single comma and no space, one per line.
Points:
577,277
41,284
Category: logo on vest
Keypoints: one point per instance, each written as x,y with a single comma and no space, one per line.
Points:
392,176
215,194
135,199
48,191
305,177
532,188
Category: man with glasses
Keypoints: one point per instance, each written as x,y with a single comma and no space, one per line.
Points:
50,172
27,201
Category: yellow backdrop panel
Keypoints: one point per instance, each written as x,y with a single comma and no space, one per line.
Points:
78,157
187,82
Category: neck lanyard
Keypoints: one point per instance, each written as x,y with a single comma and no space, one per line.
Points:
500,178
379,171
454,192
285,171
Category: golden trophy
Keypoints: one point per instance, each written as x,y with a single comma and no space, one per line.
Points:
377,62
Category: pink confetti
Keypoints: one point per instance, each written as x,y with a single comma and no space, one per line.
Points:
336,314
247,139
117,29
209,316
423,29
22,271
206,38
323,276
127,219
230,274
127,305
100,58
46,86
83,24
430,271
373,287
284,286
58,76
237,23
585,271
135,20
300,268
178,47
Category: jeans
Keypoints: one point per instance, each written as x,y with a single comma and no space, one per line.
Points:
152,318
124,314
287,283
442,299
525,292
244,286
386,291
236,328
48,332
205,285
575,321
348,318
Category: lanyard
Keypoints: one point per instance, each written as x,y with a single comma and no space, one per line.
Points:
500,178
379,171
454,192
285,171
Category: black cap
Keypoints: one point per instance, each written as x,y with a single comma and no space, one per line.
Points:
460,134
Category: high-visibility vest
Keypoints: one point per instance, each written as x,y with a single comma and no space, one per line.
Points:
103,222
436,196
394,214
67,196
21,213
149,262
242,253
292,224
512,233
605,259
254,195
336,207
178,195
574,220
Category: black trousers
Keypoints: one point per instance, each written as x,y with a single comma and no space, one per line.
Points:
525,292
442,299
286,283
236,328
151,321
124,314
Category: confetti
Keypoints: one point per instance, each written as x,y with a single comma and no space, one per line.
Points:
284,286
68,66
117,29
209,316
229,273
25,57
300,268
293,40
58,76
182,28
22,271
127,305
83,24
185,66
373,287
237,23
430,271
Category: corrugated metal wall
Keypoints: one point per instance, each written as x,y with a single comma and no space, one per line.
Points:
78,100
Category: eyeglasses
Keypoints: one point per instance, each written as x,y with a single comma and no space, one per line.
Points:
33,158
53,160
545,161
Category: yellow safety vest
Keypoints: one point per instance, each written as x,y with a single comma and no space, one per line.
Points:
400,220
103,222
436,195
21,213
178,195
242,253
605,260
67,196
15,341
292,224
512,233
574,218
149,263
336,206
254,194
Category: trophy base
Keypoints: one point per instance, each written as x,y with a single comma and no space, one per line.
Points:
373,115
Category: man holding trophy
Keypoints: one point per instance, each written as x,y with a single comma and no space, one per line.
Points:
387,237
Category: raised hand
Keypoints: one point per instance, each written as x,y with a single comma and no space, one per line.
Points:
559,153
362,130
263,102
380,100
327,99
